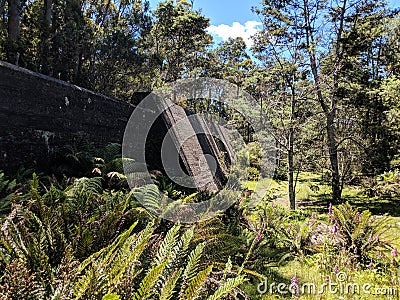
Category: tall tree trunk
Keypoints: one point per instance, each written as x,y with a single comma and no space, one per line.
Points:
291,190
330,118
333,157
329,111
292,194
14,30
45,48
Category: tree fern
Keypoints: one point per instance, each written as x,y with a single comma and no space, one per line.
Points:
88,185
111,151
150,197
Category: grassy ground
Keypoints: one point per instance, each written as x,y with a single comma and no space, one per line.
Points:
312,195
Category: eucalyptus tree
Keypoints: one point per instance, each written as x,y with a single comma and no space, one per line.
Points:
322,31
284,91
12,12
179,39
100,45
376,78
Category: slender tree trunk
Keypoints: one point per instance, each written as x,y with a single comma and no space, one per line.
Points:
45,39
329,111
48,6
14,29
330,114
292,194
291,189
332,143
333,157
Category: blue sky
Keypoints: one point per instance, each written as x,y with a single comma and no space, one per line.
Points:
233,18
228,18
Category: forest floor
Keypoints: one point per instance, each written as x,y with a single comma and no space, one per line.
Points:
312,196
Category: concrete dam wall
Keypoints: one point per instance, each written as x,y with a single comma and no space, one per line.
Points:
39,114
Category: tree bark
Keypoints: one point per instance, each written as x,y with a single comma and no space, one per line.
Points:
330,126
48,6
45,39
333,157
292,194
2,5
291,189
14,29
329,111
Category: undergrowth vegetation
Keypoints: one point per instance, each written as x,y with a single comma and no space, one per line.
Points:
92,237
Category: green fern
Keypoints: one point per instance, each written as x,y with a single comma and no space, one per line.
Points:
167,245
194,285
111,151
6,195
150,197
228,287
86,186
103,270
149,281
193,262
227,270
361,232
167,290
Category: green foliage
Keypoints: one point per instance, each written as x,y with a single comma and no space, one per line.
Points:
225,289
6,188
387,184
179,37
104,270
364,235
84,222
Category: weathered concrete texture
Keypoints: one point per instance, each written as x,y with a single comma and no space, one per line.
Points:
39,114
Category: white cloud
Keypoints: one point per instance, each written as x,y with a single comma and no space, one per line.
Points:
245,31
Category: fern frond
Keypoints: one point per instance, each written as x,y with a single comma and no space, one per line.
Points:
109,250
228,287
129,254
169,286
194,286
86,185
182,245
150,197
148,282
167,245
193,263
227,270
111,152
